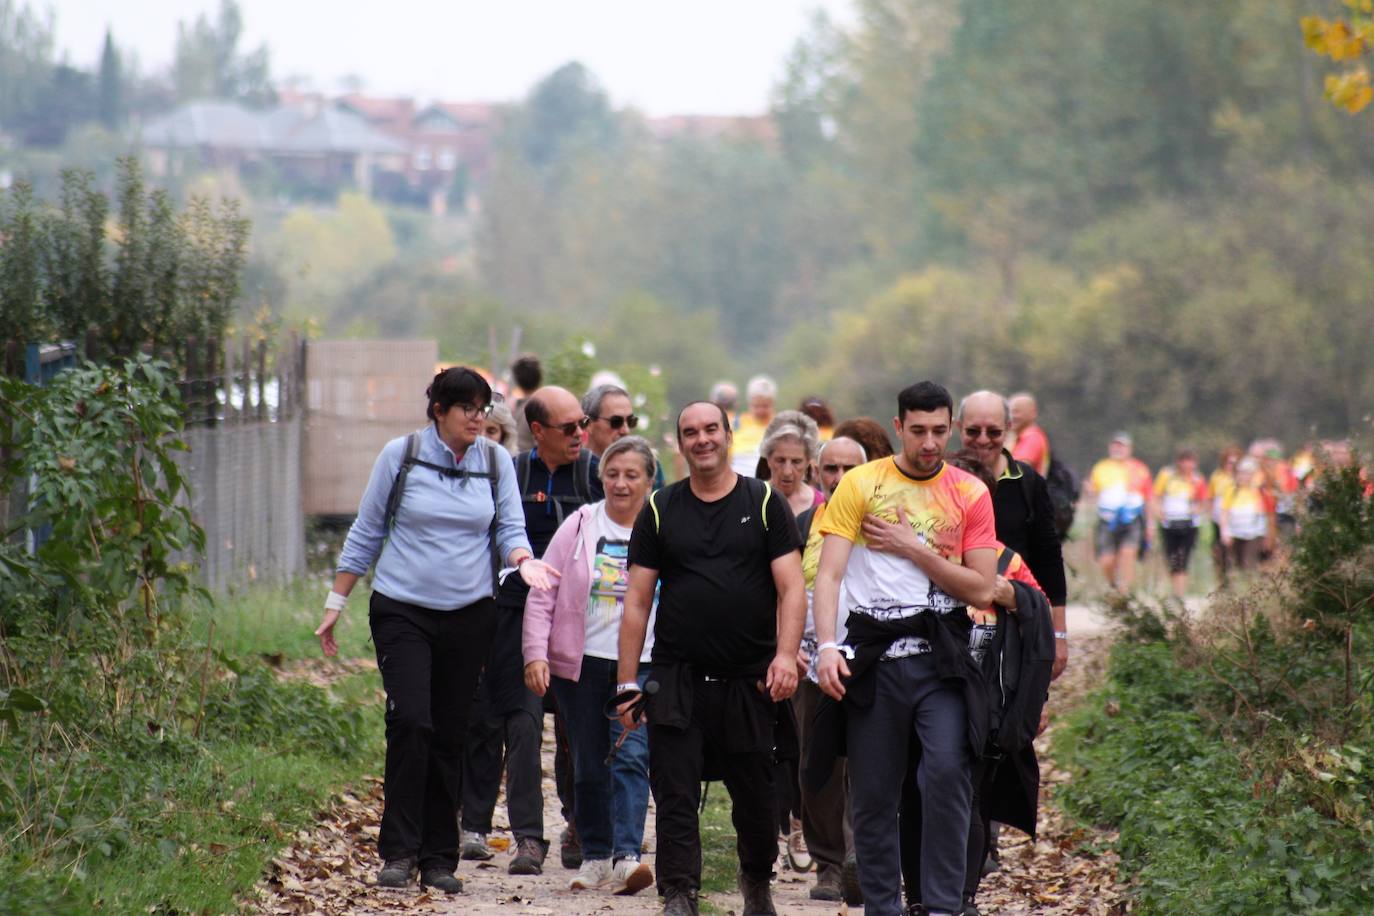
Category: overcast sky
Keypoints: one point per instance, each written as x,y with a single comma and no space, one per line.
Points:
661,56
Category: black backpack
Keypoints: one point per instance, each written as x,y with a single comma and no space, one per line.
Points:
412,459
582,484
1062,483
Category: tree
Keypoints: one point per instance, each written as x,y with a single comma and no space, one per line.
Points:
26,59
111,84
208,63
566,115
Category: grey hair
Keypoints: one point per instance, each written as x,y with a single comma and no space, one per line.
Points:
863,455
1006,406
637,445
591,401
761,386
501,414
810,442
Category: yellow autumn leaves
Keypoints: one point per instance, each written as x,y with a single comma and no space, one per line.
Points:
1342,41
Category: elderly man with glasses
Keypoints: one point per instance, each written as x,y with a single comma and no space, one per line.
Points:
554,478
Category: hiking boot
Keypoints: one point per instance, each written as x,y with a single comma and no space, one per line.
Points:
849,882
441,880
396,872
570,847
970,908
758,895
529,856
798,856
473,847
680,903
630,876
594,873
827,885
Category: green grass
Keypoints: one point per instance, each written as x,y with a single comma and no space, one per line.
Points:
719,858
189,825
281,620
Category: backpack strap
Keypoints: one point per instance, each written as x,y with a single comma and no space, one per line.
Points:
522,470
489,452
1004,560
582,476
398,485
763,506
654,506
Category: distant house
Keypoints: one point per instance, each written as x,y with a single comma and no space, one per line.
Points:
307,142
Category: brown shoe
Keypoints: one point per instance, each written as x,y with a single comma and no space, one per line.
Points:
529,856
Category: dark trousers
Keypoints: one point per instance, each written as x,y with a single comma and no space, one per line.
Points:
908,695
676,763
430,661
504,741
979,834
825,814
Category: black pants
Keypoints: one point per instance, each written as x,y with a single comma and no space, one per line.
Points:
429,662
979,833
506,732
676,763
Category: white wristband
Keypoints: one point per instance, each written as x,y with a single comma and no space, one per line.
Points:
628,685
1061,634
827,645
335,602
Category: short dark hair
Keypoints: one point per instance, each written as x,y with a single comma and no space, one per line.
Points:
816,408
724,417
527,372
536,411
924,396
456,385
869,433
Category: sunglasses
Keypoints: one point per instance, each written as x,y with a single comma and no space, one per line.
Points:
975,432
836,468
613,422
567,429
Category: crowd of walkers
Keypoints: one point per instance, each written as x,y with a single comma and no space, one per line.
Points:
1247,507
857,640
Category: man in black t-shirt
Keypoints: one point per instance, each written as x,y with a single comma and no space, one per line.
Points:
723,550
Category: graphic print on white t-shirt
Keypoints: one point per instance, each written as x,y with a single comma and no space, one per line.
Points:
609,581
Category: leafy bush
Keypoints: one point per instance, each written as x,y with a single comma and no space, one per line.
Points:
109,707
1233,753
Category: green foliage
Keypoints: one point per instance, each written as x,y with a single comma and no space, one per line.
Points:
1244,737
172,275
141,766
209,64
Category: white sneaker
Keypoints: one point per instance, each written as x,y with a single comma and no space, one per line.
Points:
631,876
594,873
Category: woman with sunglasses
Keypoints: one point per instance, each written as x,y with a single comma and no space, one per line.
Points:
436,541
570,644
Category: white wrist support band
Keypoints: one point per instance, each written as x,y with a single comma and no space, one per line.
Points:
335,602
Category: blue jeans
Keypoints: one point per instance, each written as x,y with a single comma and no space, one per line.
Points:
609,803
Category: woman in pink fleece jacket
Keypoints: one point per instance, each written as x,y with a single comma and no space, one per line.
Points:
571,643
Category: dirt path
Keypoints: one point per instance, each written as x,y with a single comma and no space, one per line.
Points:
330,869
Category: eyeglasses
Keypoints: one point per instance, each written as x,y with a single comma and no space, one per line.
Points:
614,422
976,432
837,468
567,429
473,412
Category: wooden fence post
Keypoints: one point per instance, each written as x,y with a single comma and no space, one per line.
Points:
190,390
262,380
211,381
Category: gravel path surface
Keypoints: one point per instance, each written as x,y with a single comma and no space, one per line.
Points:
331,868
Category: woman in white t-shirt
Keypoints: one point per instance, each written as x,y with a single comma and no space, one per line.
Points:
571,644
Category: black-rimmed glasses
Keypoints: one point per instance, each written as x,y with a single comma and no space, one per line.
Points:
567,429
975,432
473,412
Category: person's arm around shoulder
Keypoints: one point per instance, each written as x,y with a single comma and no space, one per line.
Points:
542,604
